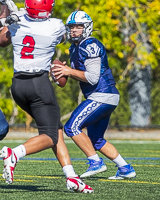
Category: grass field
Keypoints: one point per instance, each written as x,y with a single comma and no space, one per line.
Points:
40,176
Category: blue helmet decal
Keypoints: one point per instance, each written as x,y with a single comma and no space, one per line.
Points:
87,16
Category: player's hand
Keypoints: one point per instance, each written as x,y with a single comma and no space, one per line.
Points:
60,70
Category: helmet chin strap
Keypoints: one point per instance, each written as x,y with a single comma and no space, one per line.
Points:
75,40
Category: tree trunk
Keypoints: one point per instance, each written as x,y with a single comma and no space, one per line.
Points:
140,76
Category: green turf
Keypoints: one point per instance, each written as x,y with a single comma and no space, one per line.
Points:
44,179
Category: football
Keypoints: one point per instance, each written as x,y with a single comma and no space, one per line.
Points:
61,82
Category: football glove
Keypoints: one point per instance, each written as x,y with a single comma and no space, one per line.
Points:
3,2
12,19
11,5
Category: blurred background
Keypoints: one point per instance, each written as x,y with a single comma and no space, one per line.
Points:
130,32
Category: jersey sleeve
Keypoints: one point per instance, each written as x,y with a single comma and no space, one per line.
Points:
13,27
92,72
89,49
60,30
90,54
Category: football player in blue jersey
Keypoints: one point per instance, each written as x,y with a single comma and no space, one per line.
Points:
89,65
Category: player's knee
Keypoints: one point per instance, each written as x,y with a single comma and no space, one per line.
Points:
71,131
50,132
54,137
98,144
4,128
67,130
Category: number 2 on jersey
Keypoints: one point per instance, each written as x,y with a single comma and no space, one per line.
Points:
28,49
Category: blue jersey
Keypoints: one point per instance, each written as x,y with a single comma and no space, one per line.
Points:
87,49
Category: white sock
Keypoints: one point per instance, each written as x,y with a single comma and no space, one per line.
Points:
20,151
69,171
119,161
95,157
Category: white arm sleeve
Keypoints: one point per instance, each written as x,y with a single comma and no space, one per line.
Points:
2,22
93,67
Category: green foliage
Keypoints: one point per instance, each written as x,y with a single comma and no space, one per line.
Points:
67,97
6,73
122,114
110,19
113,19
7,107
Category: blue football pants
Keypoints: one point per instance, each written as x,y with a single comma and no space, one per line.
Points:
91,115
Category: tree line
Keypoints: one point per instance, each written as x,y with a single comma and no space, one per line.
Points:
130,32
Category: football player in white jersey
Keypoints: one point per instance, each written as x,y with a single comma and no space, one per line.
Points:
34,38
89,65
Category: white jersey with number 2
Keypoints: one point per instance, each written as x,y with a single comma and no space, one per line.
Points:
34,42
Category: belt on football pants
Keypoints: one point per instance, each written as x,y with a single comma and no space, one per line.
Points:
35,73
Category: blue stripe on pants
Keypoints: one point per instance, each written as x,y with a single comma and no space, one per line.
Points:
93,115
